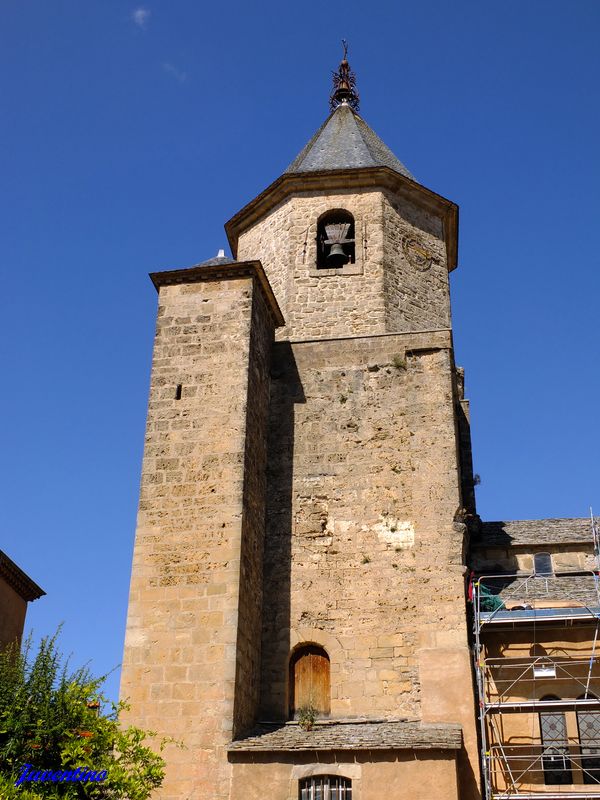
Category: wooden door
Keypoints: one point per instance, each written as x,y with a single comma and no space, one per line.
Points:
310,680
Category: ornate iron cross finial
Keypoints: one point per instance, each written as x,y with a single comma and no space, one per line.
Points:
344,84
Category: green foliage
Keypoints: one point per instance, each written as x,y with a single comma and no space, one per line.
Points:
57,719
307,715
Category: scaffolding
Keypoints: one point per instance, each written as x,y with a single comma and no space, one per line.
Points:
538,767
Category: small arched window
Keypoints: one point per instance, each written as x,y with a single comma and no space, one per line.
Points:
309,680
542,564
335,239
325,787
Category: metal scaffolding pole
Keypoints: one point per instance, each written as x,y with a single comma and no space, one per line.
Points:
493,703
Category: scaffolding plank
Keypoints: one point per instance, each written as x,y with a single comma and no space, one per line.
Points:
536,705
541,795
538,615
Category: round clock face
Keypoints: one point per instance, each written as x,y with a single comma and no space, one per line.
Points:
416,253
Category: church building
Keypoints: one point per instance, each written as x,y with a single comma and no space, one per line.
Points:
309,609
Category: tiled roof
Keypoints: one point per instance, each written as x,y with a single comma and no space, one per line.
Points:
536,532
345,141
382,735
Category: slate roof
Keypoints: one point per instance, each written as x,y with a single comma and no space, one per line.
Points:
216,261
573,589
535,532
378,735
345,141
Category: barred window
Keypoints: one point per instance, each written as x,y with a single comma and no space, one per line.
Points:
325,787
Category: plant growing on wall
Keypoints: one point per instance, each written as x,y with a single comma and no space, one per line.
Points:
307,714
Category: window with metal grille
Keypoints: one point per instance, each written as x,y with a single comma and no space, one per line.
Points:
555,750
325,787
588,725
542,564
309,680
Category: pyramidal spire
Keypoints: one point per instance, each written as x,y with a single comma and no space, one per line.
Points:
344,84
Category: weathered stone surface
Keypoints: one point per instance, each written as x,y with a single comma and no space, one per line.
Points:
381,292
360,515
192,646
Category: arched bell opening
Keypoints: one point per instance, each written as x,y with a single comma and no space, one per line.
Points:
335,239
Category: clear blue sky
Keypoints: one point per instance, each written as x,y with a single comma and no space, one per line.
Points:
131,133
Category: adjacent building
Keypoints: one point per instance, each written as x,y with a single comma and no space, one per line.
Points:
16,590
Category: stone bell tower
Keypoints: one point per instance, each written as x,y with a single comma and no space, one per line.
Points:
297,608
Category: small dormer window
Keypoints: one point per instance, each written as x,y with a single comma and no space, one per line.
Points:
542,564
335,239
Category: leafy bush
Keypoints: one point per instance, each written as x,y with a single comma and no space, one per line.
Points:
56,719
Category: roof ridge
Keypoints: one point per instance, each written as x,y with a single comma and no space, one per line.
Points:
300,157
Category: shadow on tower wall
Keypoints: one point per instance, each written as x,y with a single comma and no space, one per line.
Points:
286,392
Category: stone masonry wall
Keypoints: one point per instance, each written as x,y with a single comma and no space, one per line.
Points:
417,297
319,304
182,641
247,679
362,554
382,291
270,243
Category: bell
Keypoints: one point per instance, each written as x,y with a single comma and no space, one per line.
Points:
337,257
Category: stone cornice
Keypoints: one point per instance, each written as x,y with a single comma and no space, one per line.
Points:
215,272
18,580
413,341
331,180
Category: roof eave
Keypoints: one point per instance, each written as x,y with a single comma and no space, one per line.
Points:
356,178
19,580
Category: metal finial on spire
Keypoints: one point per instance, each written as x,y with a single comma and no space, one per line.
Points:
344,84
